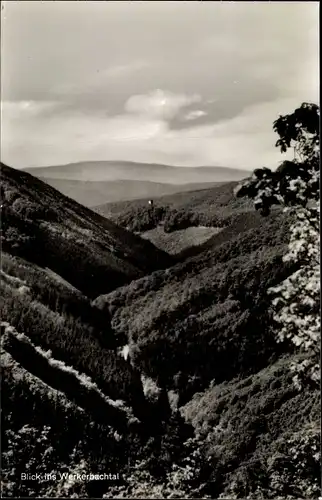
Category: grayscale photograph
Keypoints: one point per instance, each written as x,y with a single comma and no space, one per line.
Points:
160,250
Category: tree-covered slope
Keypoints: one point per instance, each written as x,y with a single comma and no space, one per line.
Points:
90,252
254,442
214,206
71,398
203,329
206,317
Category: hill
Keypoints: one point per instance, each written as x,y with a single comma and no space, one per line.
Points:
72,402
122,170
163,371
255,444
71,398
219,291
211,203
51,230
203,331
92,193
209,211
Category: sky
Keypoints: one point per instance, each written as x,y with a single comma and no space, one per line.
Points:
179,83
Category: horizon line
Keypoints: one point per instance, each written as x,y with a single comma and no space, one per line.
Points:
135,163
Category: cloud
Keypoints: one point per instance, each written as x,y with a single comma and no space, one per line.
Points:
245,141
123,70
124,128
20,109
96,80
193,115
159,104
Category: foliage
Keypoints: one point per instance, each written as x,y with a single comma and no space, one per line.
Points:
64,437
244,426
44,433
142,218
297,302
179,482
295,469
25,447
296,184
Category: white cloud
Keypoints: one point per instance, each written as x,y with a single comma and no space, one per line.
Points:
193,115
245,141
124,69
125,128
159,103
19,109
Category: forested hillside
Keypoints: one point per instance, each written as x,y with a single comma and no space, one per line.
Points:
195,309
70,396
216,206
51,230
165,225
202,329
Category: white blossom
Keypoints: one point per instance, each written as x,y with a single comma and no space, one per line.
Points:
297,298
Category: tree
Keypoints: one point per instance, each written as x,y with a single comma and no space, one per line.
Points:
295,186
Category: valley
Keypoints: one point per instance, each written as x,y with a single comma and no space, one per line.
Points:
179,240
143,357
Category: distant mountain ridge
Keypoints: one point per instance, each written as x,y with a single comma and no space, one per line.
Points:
125,170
